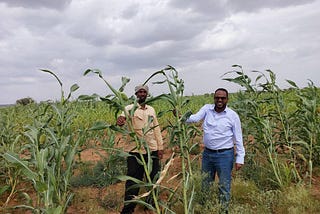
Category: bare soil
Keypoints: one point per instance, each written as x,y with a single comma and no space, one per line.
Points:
109,200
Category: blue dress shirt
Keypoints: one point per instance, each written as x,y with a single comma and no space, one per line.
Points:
221,130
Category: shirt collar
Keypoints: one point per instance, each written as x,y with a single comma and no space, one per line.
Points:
140,107
212,108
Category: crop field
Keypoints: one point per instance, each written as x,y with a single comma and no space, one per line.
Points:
68,156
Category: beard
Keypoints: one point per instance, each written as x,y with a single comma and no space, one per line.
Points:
220,107
141,100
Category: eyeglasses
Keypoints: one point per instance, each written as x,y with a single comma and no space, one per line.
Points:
218,98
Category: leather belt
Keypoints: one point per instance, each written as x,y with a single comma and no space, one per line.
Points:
218,150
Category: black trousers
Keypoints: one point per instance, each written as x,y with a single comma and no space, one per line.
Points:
136,170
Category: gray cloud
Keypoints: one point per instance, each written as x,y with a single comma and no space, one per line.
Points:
251,6
56,4
222,8
202,39
213,9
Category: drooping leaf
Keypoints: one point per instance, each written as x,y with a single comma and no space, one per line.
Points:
13,158
125,178
53,74
154,74
74,87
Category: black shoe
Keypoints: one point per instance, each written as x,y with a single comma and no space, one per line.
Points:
126,212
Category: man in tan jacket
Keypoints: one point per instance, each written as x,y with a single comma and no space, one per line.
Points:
146,126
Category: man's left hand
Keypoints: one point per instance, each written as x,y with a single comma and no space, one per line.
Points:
238,166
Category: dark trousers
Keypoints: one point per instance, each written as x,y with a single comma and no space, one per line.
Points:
136,170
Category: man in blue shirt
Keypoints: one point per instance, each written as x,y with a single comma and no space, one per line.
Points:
222,132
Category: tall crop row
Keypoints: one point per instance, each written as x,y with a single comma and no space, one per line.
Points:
46,157
280,129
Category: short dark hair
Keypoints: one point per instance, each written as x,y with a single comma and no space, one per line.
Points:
222,89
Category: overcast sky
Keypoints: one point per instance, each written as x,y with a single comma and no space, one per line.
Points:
134,38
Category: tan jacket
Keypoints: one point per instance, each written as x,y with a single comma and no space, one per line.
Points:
146,126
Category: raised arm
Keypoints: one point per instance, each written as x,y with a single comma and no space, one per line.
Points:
199,115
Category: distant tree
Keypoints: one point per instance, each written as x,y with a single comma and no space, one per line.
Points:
25,101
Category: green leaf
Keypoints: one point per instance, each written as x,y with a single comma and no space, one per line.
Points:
74,87
238,66
185,116
99,126
124,81
125,178
165,97
154,74
27,198
161,113
25,207
13,158
87,71
143,203
54,210
3,189
88,97
95,71
159,82
292,83
118,129
41,187
302,143
50,72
